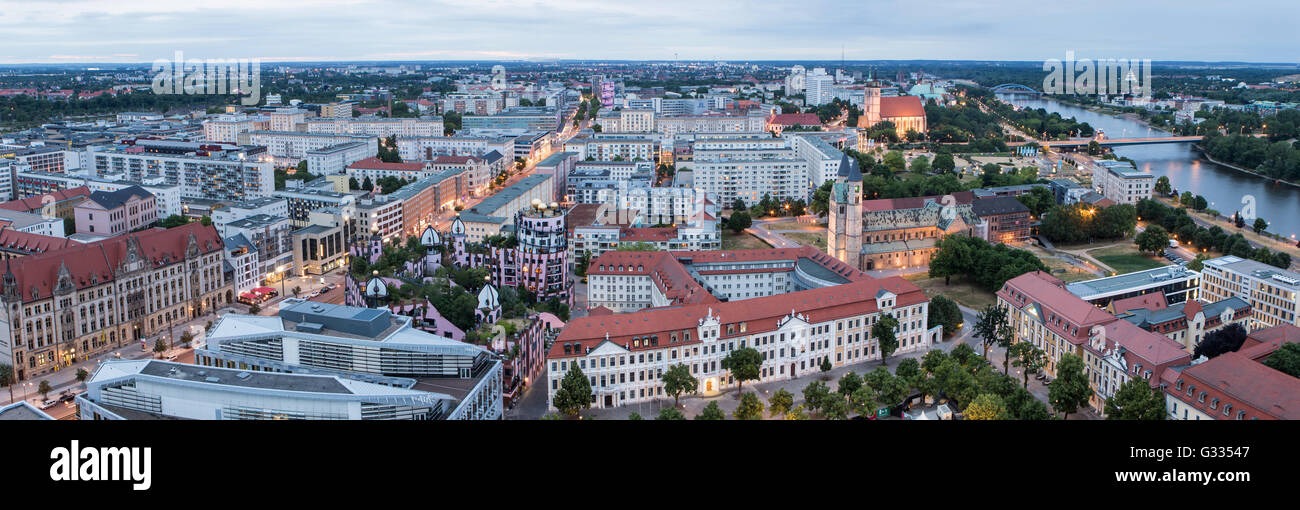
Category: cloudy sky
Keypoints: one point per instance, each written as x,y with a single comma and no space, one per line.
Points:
38,31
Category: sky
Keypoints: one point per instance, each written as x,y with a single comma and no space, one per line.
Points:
102,31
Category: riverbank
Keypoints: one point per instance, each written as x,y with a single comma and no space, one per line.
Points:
1203,155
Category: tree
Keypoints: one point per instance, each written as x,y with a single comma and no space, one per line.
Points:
895,162
989,325
909,371
780,402
1226,339
944,312
750,408
711,412
864,401
678,380
255,309
987,406
1238,220
44,389
635,416
797,413
821,199
826,367
574,394
1136,400
1286,359
815,395
849,383
670,413
159,346
7,378
920,164
296,290
1069,391
1152,240
943,162
835,409
744,364
883,332
1029,358
174,220
1259,226
1162,185
739,221
890,390
186,338
353,184
367,184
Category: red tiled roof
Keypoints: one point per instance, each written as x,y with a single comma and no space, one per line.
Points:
647,234
790,119
376,164
1269,391
453,160
1275,336
760,314
34,203
11,239
102,258
1152,301
901,106
1049,293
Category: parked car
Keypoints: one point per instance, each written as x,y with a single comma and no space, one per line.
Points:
171,358
67,396
49,403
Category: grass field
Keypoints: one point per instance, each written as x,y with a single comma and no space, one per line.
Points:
741,241
814,239
1126,259
964,293
795,226
1061,269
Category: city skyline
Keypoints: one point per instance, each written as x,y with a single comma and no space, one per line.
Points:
349,30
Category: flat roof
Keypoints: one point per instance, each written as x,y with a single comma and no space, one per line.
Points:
245,378
1100,287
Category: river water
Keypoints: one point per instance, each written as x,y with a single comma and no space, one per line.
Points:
1225,188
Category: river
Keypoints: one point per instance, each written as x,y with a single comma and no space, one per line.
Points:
1225,188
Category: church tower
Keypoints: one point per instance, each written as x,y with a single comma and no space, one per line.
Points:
844,234
433,245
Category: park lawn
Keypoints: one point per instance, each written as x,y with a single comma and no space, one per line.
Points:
794,225
1126,259
1067,272
816,240
963,292
742,241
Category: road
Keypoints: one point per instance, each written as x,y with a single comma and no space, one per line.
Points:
759,229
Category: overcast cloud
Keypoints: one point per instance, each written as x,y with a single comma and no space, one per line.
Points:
144,30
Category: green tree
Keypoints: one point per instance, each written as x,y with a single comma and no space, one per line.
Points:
744,364
711,412
909,371
894,161
739,221
826,367
815,395
987,406
1286,359
574,394
44,389
886,339
1259,226
780,402
1069,391
750,408
797,413
7,378
920,164
635,416
159,347
670,413
943,162
82,374
1152,240
1029,359
849,383
864,401
1162,185
1136,400
677,380
890,390
944,312
989,325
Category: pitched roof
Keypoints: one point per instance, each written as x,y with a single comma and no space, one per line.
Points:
114,199
18,240
889,204
1051,301
377,164
90,264
997,205
1235,374
901,106
36,202
790,119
